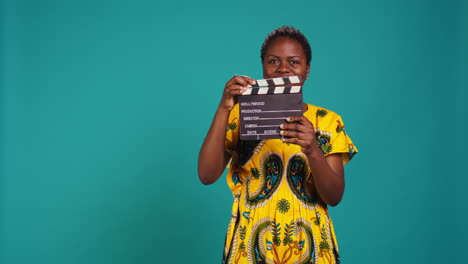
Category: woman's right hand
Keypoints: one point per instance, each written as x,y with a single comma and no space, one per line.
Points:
233,88
213,158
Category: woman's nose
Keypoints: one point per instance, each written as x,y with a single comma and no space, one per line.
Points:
283,67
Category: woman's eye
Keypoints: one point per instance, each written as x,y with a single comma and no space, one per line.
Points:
294,62
273,61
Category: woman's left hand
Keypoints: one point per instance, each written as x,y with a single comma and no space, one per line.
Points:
303,134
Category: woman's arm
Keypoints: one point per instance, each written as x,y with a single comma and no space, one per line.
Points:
327,171
212,158
328,177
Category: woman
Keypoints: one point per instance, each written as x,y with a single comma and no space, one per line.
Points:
282,187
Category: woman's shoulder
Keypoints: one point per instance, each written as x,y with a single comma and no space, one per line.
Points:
317,111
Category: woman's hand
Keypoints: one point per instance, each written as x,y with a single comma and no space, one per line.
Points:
303,134
233,88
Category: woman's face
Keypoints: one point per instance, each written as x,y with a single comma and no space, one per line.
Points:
285,57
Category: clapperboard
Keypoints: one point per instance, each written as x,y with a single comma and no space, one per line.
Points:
265,106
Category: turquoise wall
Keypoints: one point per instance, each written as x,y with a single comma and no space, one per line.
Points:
104,105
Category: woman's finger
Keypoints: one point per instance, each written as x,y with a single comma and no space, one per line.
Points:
235,89
293,126
245,80
301,119
241,80
290,133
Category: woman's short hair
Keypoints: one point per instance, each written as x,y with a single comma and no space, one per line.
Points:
290,32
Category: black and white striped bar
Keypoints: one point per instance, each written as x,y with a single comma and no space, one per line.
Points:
273,90
264,109
281,85
280,81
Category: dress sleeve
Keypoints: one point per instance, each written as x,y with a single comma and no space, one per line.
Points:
332,138
232,130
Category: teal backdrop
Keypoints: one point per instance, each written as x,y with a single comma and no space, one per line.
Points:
104,106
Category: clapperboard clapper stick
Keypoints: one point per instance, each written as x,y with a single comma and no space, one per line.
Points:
267,105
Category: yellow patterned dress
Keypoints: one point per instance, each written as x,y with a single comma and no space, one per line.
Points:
273,220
